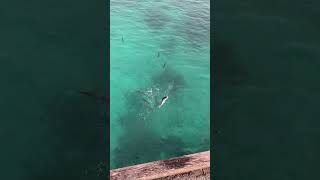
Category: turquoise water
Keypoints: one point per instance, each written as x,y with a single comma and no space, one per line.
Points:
159,48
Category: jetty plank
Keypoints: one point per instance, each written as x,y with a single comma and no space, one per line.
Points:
193,166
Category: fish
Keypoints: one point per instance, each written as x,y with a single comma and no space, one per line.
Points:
91,94
163,100
164,65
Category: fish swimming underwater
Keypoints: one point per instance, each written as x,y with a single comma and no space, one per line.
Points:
103,99
164,65
163,100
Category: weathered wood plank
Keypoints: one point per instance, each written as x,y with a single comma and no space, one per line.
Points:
193,166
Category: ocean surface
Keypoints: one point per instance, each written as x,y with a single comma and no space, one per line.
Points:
268,90
159,48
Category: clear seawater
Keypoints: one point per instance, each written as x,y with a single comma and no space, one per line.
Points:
159,48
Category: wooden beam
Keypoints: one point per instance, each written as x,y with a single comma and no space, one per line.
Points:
193,166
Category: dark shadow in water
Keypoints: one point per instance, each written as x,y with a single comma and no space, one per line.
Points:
272,128
169,76
139,143
95,96
229,74
229,69
156,18
46,47
174,146
169,46
78,140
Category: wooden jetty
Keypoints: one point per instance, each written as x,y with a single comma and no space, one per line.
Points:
194,166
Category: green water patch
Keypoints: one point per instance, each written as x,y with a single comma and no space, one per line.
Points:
152,57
